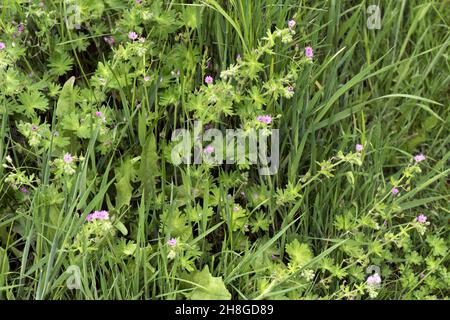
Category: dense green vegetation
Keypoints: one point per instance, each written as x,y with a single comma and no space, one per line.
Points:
91,92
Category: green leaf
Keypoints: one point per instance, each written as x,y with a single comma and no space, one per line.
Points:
123,185
4,266
121,227
208,287
123,189
149,165
129,249
66,101
60,63
30,101
299,253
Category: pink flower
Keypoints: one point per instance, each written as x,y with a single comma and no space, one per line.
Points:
147,78
2,45
132,35
291,24
309,52
24,190
421,218
236,209
359,147
264,119
394,191
98,215
419,157
172,242
41,4
101,215
34,127
98,114
209,80
209,150
68,158
374,280
138,1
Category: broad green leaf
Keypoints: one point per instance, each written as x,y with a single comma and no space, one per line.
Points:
66,101
208,287
123,189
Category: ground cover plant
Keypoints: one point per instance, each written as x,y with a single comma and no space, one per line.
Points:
98,200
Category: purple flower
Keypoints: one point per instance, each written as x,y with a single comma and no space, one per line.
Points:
2,45
419,157
421,218
138,1
209,80
20,28
309,52
34,127
291,24
264,119
24,190
359,147
238,57
236,209
98,114
98,215
132,35
209,149
101,215
394,191
68,158
422,275
374,280
172,242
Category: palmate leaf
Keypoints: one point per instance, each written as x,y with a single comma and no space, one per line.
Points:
60,63
31,101
11,82
299,253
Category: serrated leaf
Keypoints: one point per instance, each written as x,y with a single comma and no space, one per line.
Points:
299,253
31,101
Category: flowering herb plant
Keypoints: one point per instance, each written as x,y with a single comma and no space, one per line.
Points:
94,93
